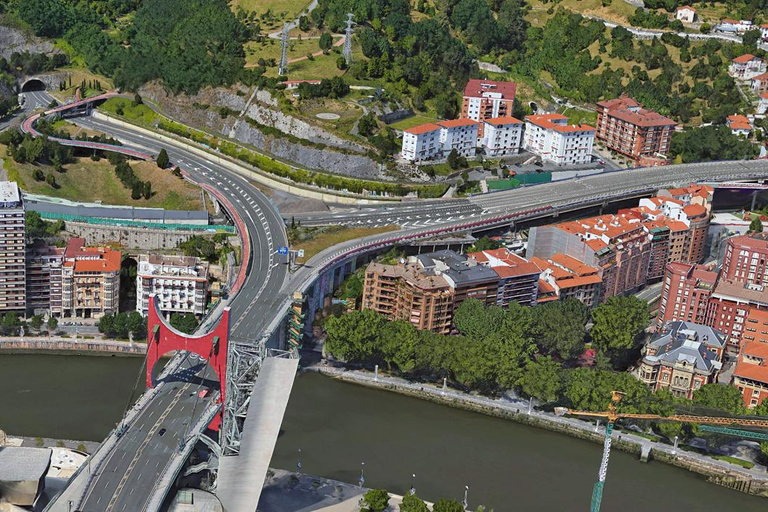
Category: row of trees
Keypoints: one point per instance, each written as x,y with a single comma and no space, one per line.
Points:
129,180
124,326
377,500
24,148
495,347
11,324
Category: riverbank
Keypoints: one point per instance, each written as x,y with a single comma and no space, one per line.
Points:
68,345
750,481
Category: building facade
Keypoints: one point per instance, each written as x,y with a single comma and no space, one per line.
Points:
458,135
90,281
746,259
751,373
13,240
686,14
553,139
683,358
759,83
570,279
762,103
486,99
518,278
624,126
43,278
179,284
685,295
502,136
746,67
729,307
421,143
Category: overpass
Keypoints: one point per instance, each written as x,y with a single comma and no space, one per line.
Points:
260,304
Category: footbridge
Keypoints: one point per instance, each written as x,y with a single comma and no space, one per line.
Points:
256,387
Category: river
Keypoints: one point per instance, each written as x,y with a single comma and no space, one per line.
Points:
338,426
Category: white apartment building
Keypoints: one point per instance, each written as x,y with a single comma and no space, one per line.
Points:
179,283
502,136
421,142
746,67
552,138
762,104
13,243
458,134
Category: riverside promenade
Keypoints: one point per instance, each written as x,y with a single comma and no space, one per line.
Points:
60,344
751,481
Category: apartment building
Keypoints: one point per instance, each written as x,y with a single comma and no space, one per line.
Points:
751,373
13,242
405,292
467,279
459,135
730,305
762,103
569,278
746,259
43,268
486,99
746,67
179,284
756,326
683,358
759,83
686,293
502,136
518,277
90,281
421,143
642,135
553,139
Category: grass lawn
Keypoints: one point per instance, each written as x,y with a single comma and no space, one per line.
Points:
139,114
89,181
439,169
78,75
412,121
577,116
74,130
618,12
291,8
324,237
733,460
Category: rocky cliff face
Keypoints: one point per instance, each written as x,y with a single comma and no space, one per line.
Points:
193,110
13,40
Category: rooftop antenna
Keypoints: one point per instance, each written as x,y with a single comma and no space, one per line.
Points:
283,69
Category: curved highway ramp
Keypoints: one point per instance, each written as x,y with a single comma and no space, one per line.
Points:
241,477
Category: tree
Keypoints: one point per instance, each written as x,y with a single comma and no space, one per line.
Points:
186,323
36,322
756,226
484,244
751,37
52,324
137,100
326,41
453,159
341,62
558,328
354,337
367,125
719,396
38,175
376,500
147,190
412,503
137,190
51,180
447,506
543,380
162,159
761,409
619,322
705,28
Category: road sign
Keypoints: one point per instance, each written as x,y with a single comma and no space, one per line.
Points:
300,253
282,250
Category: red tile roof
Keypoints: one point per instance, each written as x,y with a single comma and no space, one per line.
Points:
750,370
761,78
685,7
454,123
743,59
422,128
90,259
694,210
477,88
546,121
630,111
739,122
496,121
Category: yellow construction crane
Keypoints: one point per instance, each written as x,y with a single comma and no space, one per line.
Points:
611,416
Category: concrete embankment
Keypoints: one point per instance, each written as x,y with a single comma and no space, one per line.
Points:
58,344
750,481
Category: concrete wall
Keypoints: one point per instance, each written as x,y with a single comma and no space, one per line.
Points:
65,345
132,238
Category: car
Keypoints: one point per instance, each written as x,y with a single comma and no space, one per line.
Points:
162,432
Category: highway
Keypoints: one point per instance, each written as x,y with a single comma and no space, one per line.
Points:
32,100
606,186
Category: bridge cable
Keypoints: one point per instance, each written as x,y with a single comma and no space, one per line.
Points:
136,385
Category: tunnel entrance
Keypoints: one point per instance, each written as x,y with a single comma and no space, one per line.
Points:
32,85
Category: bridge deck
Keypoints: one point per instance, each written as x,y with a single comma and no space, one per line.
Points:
241,477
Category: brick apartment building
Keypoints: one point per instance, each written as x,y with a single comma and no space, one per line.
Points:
683,358
746,259
90,281
729,307
756,326
642,135
686,293
13,240
518,278
486,99
751,373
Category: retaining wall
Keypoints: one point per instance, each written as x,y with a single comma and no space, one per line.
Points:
132,238
66,345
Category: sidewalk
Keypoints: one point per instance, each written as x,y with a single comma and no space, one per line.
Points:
689,460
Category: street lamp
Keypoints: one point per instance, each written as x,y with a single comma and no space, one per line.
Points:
362,474
412,490
298,461
466,491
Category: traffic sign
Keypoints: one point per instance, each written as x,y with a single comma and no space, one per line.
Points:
282,249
